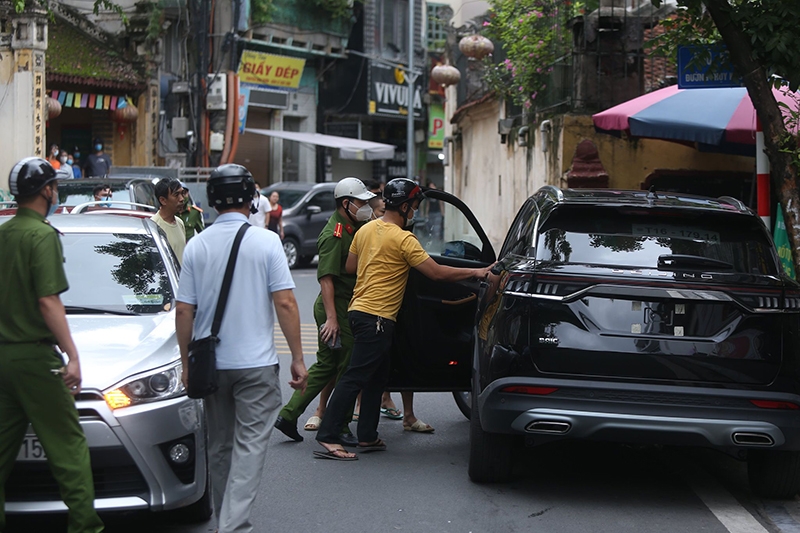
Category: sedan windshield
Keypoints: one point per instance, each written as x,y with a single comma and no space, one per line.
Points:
652,239
115,273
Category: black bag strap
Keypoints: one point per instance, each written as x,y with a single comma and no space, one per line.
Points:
226,281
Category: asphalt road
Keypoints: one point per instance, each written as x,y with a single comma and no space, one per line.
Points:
420,484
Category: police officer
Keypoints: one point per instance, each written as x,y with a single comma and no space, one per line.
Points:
330,309
191,215
35,386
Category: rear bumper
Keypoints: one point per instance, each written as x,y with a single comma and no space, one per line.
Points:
724,419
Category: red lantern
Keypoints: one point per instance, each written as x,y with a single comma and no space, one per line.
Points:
445,75
475,46
53,107
125,114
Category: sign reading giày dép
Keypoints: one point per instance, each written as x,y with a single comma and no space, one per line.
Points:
268,69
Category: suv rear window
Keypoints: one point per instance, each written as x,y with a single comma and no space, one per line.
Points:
634,237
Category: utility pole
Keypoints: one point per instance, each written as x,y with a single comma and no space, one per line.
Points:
410,79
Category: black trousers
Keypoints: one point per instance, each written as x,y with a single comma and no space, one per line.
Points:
368,372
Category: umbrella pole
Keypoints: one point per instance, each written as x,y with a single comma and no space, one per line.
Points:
762,177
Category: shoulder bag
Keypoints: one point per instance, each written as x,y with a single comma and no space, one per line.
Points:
203,352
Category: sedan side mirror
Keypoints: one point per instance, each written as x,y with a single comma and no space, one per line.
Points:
313,210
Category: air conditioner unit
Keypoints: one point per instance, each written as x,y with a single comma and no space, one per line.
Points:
217,96
180,127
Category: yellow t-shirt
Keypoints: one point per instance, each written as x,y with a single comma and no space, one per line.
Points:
176,234
385,253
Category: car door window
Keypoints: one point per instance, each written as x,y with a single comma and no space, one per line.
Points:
520,236
324,200
144,193
447,232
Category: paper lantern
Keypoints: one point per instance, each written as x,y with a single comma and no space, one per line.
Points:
445,75
125,114
53,107
475,46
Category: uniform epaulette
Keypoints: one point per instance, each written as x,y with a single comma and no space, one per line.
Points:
195,207
337,231
52,226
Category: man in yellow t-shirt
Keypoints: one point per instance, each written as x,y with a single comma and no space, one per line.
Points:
381,255
169,192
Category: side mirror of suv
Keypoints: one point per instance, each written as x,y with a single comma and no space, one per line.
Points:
313,210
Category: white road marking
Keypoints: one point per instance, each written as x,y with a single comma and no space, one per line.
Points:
722,504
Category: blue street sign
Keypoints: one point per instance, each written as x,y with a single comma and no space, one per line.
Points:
704,67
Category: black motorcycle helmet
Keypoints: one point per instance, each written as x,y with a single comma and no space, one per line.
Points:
230,186
29,176
401,190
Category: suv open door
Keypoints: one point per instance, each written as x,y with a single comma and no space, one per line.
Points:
433,340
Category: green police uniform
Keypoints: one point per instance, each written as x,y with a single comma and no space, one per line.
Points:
192,221
32,268
333,245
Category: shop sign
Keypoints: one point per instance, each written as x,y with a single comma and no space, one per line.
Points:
436,126
781,239
244,101
388,92
273,71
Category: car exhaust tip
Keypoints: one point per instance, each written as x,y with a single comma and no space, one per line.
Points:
752,439
548,426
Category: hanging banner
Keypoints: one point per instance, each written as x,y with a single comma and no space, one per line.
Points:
244,101
273,71
436,126
88,101
782,243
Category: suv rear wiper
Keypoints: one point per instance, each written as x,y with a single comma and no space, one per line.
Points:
669,261
76,309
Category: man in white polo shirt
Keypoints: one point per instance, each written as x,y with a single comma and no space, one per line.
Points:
242,412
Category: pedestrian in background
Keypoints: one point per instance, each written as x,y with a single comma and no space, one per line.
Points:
190,215
258,213
169,192
381,255
52,156
242,412
35,386
275,215
76,162
330,308
64,160
98,164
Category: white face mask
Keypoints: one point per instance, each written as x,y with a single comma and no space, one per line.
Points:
364,213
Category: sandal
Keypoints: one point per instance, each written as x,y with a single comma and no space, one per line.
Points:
312,424
419,427
377,446
355,417
392,412
336,454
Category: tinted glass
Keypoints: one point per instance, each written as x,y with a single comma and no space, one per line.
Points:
288,197
447,232
324,200
636,238
116,272
72,193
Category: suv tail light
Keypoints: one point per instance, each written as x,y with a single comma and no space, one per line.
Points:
771,404
549,287
526,389
764,300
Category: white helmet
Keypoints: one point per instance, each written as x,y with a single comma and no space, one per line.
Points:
352,188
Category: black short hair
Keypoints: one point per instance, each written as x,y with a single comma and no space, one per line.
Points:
164,187
373,184
98,188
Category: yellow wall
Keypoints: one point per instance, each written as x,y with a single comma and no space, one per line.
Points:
628,162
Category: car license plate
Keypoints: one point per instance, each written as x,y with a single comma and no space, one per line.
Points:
31,450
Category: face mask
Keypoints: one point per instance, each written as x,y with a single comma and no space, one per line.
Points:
52,206
63,160
410,219
55,153
69,161
77,155
364,213
98,147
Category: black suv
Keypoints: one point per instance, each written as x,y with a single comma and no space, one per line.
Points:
622,316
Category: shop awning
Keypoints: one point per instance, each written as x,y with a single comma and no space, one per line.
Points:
348,148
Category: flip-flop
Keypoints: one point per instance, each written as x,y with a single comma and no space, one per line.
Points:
312,424
355,417
377,446
392,412
331,454
419,427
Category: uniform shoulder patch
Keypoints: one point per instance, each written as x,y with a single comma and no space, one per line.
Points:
337,230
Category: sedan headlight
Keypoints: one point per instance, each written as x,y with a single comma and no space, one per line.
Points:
160,384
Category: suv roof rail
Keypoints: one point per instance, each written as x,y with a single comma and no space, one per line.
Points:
552,190
740,205
80,208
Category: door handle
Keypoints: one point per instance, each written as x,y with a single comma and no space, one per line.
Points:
462,301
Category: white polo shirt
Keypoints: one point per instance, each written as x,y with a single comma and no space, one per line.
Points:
246,334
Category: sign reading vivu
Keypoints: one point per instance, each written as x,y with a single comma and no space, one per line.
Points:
388,92
271,70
